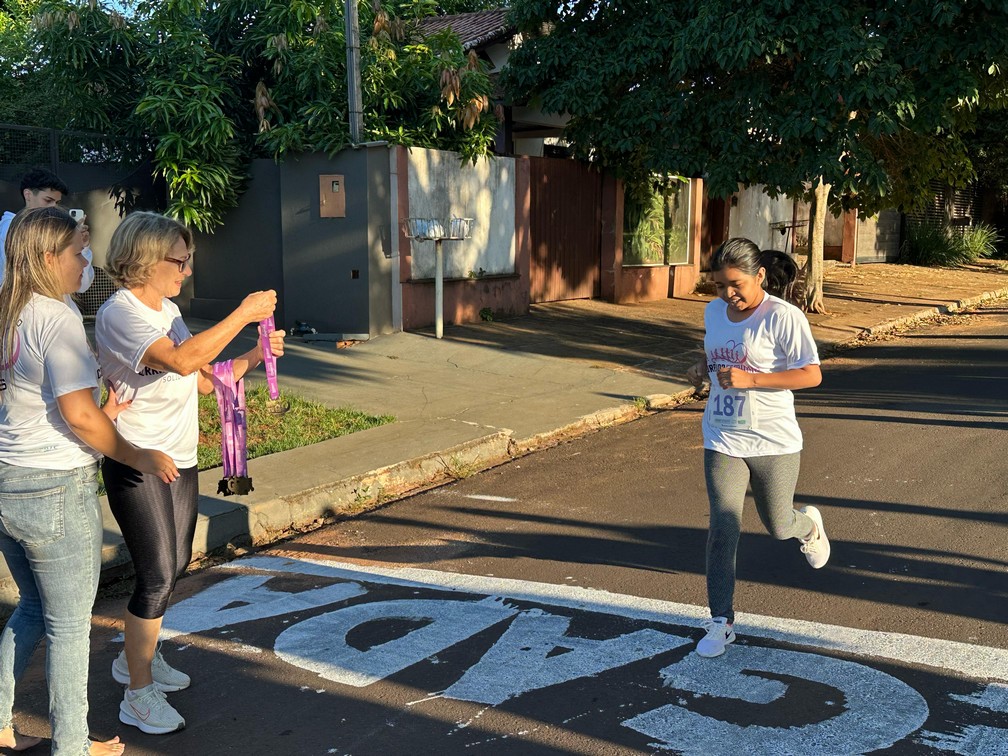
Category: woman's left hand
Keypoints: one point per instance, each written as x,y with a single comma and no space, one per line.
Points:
277,342
735,378
113,407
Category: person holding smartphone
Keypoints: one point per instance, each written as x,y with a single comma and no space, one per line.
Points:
40,188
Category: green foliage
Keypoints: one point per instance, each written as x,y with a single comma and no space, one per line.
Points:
25,92
654,225
938,244
212,85
643,226
875,98
980,241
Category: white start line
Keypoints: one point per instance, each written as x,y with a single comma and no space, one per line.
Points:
877,709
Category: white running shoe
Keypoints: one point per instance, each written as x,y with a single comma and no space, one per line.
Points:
166,677
148,709
719,635
816,550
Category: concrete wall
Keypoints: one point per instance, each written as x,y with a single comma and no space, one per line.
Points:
332,273
382,255
440,186
500,236
326,260
755,211
878,237
244,254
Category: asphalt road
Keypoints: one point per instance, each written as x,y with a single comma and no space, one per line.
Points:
550,606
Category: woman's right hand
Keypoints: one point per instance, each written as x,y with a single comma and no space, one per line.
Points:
696,373
155,463
258,305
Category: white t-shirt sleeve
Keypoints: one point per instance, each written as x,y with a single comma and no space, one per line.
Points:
66,356
127,336
794,337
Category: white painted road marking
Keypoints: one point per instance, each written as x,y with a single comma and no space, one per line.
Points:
754,699
879,711
320,644
982,662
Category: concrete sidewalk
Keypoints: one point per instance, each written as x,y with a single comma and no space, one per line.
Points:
489,392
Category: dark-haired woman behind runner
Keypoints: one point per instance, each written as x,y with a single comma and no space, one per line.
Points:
758,349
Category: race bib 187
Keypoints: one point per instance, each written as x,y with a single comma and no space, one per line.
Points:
731,411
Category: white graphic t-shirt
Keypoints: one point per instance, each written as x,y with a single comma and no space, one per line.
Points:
51,358
755,422
164,413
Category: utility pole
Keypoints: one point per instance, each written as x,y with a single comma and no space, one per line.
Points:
355,111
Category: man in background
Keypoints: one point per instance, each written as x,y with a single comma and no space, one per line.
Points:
40,188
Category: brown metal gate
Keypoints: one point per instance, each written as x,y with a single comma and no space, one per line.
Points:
566,230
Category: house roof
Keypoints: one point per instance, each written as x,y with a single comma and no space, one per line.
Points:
474,29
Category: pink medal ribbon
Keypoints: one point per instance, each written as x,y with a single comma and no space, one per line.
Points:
266,327
231,405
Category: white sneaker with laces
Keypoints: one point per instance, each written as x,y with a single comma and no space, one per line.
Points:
719,635
166,677
817,549
148,709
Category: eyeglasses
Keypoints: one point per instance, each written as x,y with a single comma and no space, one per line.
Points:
181,263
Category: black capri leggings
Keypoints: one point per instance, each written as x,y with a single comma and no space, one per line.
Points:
158,521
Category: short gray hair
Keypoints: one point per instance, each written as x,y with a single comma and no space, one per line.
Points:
141,242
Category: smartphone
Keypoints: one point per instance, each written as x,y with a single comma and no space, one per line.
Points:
77,214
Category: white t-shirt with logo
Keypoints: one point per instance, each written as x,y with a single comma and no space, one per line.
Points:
755,422
51,358
164,413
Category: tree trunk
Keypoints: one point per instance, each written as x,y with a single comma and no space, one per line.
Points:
813,300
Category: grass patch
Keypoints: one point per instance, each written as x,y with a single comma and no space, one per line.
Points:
306,422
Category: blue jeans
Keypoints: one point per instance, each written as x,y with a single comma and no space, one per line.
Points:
51,537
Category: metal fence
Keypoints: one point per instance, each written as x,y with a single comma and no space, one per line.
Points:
25,147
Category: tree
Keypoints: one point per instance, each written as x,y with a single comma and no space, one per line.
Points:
870,99
212,84
25,95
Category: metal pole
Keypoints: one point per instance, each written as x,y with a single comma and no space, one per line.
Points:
438,290
355,111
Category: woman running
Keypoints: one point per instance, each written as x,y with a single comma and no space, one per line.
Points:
758,350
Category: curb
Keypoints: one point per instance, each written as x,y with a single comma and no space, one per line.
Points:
932,312
272,520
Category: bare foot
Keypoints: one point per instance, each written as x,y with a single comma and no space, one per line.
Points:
108,748
16,741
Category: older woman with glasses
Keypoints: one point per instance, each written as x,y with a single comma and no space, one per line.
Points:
152,360
51,434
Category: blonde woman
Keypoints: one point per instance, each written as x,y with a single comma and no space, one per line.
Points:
51,434
152,360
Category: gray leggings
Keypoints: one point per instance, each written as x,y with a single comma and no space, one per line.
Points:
773,482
